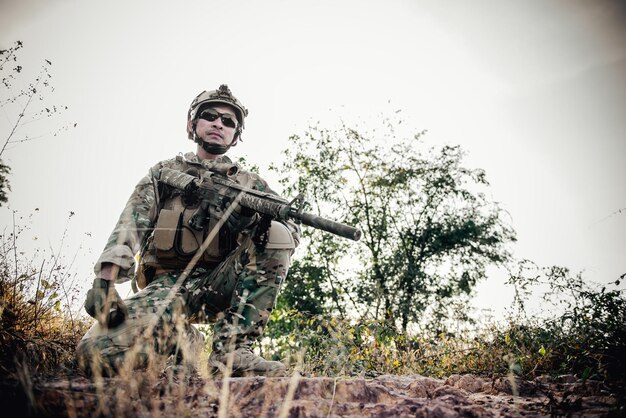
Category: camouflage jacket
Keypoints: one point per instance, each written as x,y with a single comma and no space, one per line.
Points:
138,218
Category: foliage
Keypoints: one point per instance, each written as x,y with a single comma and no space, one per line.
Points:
589,337
38,331
588,340
429,231
38,334
4,182
23,105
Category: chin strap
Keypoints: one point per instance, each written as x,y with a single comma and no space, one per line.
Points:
215,149
211,148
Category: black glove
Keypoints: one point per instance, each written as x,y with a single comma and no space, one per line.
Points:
242,218
104,296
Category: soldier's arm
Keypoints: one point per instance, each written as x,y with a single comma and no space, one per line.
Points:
135,222
108,271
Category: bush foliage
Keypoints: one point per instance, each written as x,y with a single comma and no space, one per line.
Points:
39,331
588,340
38,328
429,229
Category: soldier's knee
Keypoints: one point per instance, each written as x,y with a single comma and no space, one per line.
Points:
280,238
91,343
103,351
275,258
91,358
280,246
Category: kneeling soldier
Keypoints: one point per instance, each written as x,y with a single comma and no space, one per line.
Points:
227,269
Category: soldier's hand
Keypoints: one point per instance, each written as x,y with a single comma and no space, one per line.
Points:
105,304
242,218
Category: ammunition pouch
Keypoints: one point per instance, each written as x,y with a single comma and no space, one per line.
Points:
174,243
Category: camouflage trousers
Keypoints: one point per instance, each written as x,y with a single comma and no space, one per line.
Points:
237,296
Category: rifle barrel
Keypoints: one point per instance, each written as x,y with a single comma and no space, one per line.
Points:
327,225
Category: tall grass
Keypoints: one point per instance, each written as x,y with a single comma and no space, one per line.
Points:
41,324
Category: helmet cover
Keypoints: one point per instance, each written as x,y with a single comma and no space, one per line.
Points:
222,95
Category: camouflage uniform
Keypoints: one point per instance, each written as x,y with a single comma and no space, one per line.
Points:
236,291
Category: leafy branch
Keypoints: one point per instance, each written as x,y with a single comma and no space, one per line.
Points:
22,103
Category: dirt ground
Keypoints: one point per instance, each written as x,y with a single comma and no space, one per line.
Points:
168,395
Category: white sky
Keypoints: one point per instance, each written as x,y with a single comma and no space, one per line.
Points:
534,91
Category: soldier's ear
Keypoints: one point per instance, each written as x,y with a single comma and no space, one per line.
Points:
190,129
236,137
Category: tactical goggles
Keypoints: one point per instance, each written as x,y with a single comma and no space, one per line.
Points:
211,115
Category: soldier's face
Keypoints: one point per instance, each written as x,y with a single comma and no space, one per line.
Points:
219,131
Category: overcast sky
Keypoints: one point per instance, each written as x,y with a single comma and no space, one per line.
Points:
534,91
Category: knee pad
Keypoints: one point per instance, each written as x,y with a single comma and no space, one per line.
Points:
280,237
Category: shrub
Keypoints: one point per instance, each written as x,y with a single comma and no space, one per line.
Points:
38,328
586,339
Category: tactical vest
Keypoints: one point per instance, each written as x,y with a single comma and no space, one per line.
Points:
173,243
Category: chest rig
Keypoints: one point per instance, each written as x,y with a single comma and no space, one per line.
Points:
173,241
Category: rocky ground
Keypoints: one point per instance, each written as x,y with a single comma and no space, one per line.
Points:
168,395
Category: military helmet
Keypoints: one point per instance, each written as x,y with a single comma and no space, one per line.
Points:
221,95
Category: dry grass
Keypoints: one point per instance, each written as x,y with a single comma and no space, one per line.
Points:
39,333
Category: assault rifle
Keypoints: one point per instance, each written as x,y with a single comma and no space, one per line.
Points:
217,189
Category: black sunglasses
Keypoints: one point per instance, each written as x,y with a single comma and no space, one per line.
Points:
211,115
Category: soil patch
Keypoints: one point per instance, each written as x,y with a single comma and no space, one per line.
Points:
168,395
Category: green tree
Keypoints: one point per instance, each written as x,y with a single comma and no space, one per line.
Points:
429,231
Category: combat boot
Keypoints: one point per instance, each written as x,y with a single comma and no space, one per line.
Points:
245,363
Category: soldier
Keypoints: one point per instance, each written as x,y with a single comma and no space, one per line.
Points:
220,274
